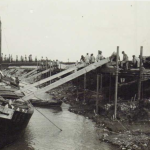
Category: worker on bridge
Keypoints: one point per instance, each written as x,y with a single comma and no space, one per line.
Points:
92,59
124,61
136,62
113,57
99,56
87,59
82,59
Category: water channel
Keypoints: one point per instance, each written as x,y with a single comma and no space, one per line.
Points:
79,133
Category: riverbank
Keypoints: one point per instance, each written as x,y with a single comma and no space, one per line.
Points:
126,132
129,131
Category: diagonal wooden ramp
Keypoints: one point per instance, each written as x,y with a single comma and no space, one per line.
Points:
65,79
38,74
54,76
25,75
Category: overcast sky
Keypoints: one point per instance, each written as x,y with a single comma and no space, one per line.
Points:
62,29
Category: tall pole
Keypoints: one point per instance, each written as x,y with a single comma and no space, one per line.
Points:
0,46
140,75
97,97
50,69
84,86
116,84
109,87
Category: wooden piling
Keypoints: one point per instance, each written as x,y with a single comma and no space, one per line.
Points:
77,88
116,84
97,97
101,83
109,87
84,86
140,74
0,45
50,70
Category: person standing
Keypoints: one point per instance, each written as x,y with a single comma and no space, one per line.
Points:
99,56
57,63
136,62
92,59
125,60
87,59
82,59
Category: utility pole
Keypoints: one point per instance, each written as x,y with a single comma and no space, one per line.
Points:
140,74
116,84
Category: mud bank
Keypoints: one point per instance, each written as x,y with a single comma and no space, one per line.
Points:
127,132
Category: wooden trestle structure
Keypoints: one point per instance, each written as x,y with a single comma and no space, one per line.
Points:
33,90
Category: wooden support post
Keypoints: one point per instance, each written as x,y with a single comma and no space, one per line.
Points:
0,46
60,66
109,87
116,84
50,70
84,86
140,74
101,83
77,88
97,99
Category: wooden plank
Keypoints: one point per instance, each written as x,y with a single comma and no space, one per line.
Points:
68,78
36,75
25,75
54,76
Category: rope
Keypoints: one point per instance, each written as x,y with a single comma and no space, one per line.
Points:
44,115
48,119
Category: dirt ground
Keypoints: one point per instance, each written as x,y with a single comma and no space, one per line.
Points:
131,129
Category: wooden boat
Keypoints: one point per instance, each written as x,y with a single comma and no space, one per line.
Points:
46,103
14,117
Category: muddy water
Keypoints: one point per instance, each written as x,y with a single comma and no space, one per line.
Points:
79,133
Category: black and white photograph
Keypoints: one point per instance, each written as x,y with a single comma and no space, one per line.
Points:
74,75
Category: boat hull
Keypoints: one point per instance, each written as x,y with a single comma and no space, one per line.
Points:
10,129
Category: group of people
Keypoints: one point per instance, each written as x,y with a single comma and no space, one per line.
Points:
125,61
89,59
49,63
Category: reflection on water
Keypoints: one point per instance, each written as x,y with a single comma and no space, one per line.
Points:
78,132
